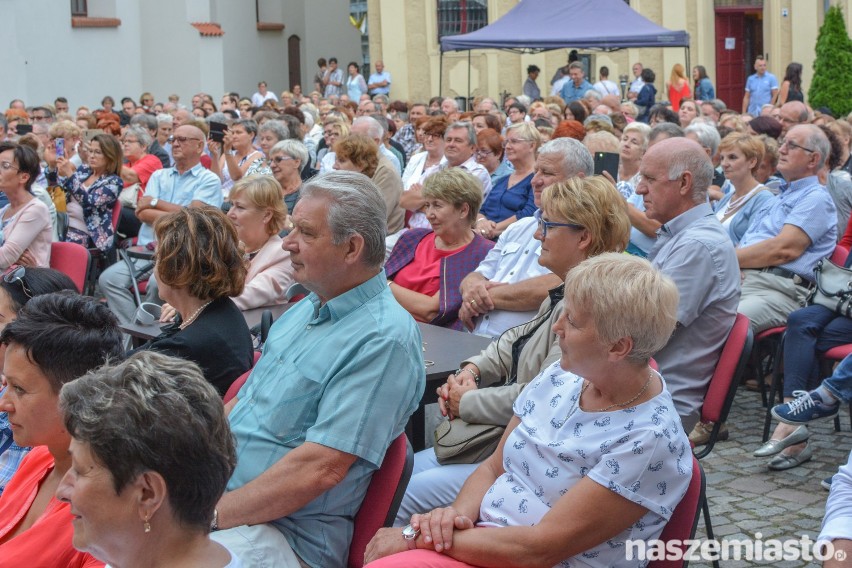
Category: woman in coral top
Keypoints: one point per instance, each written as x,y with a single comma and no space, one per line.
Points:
35,527
678,86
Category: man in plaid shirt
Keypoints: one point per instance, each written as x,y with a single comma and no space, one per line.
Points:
406,134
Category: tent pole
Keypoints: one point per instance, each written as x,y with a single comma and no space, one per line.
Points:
467,102
440,73
688,68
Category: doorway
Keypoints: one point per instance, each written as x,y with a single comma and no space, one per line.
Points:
294,62
739,40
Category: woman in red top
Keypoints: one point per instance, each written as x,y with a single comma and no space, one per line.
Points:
140,164
35,527
426,266
678,86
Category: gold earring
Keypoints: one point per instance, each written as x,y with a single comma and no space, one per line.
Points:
147,525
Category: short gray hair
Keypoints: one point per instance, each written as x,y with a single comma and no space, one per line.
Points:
141,134
576,158
277,128
178,426
707,136
685,159
464,125
817,140
144,120
452,100
374,129
293,148
355,207
165,117
248,124
663,129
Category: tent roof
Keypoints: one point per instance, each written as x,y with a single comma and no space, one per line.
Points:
541,25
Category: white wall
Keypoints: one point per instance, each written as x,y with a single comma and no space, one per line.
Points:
156,49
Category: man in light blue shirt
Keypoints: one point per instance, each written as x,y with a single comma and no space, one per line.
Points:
340,375
577,86
787,238
379,82
761,88
186,184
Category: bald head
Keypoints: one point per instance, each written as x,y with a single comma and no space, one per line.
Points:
676,173
791,114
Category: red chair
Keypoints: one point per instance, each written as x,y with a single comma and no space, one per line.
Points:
684,520
73,260
241,380
383,497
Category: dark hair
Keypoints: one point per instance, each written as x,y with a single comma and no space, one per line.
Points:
127,100
108,98
177,428
199,250
835,156
111,148
60,100
766,125
39,281
44,110
434,100
491,121
702,72
65,335
533,69
794,75
27,159
578,110
604,71
355,63
648,75
518,106
663,112
321,62
332,60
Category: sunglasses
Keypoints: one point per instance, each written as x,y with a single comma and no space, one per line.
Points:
18,274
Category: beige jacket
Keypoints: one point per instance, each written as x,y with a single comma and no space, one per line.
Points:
389,183
493,405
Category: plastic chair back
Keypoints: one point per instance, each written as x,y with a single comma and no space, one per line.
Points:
73,260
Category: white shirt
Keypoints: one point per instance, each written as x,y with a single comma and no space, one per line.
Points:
607,87
556,89
514,258
257,99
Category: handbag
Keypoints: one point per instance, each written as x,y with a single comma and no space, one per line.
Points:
457,441
833,288
129,196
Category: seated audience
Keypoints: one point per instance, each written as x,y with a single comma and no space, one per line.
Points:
569,482
579,218
25,228
55,339
490,153
511,197
341,373
269,134
199,267
232,157
17,287
426,266
286,159
741,155
91,192
160,484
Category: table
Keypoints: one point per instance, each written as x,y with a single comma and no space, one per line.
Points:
444,347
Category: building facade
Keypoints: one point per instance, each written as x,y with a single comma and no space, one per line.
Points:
725,37
93,48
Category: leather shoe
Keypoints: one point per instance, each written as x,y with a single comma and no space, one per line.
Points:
700,435
772,447
783,461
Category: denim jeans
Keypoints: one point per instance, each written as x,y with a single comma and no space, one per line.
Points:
811,331
840,382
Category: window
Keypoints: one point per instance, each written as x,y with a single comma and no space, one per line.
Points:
461,16
79,8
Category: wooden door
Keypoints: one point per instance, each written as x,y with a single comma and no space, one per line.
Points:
294,61
730,63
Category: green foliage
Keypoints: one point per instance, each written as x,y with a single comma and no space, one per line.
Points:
832,81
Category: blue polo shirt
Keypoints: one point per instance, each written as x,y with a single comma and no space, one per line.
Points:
760,91
571,93
347,375
806,204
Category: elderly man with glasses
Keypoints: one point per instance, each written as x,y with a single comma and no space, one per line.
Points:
187,184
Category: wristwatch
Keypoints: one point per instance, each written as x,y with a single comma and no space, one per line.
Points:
410,535
154,202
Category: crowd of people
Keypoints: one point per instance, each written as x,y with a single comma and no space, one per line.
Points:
607,295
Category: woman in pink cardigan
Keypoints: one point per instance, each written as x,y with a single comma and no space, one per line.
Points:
25,229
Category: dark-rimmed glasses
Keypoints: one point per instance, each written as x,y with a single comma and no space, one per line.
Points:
543,225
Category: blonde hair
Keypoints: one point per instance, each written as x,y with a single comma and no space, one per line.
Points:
527,131
455,186
625,297
263,192
750,146
64,129
642,129
594,203
678,72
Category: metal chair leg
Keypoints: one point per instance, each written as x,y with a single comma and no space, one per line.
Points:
708,524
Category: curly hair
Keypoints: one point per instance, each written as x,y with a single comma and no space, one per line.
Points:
198,250
361,150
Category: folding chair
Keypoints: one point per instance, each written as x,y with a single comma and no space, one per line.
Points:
684,520
73,260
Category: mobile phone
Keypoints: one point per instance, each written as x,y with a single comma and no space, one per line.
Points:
606,162
217,131
22,129
60,147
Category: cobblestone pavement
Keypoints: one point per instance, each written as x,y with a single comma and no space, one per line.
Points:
746,498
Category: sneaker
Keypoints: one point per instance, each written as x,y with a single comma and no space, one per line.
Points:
807,407
700,435
826,483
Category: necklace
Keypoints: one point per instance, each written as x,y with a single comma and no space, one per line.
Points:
735,204
611,406
186,323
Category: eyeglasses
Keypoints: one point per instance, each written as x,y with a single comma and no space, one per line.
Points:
18,275
791,144
95,153
329,134
8,166
183,139
483,153
279,159
543,225
36,118
128,141
513,141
